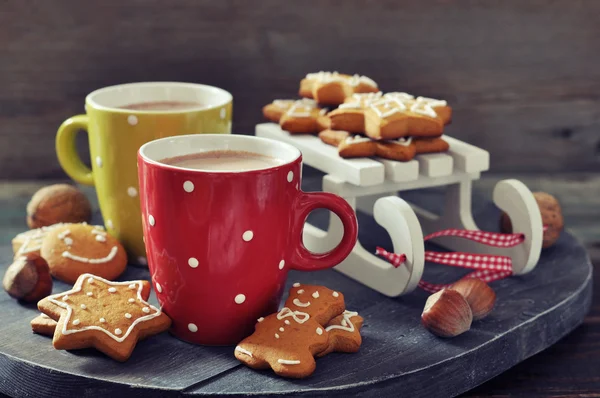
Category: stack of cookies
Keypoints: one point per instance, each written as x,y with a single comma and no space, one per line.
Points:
314,322
363,121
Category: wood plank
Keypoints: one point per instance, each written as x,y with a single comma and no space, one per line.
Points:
361,172
515,305
467,158
435,164
400,171
527,94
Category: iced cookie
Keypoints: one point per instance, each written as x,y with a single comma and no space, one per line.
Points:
344,333
295,116
402,149
31,241
349,116
394,117
109,316
332,88
357,147
333,137
391,115
288,340
75,249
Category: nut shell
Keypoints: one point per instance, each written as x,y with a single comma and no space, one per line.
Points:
58,203
552,218
479,295
28,278
447,314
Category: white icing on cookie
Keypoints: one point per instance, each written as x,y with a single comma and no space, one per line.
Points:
288,361
357,139
297,316
283,104
346,321
350,105
64,234
109,257
315,294
423,108
300,303
243,351
404,141
78,287
404,97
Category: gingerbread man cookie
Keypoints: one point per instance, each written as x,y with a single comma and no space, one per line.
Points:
75,249
344,333
109,316
332,88
296,116
288,340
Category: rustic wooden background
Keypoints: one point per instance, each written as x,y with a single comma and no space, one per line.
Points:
522,76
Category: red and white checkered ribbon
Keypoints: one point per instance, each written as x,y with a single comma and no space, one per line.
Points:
488,267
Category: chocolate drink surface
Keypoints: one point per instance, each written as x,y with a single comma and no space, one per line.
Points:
224,160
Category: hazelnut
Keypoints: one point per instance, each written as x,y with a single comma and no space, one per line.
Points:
28,278
552,218
447,314
479,295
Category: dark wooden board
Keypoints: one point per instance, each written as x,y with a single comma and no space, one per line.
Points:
522,76
398,357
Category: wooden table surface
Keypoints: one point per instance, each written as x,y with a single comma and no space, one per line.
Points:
569,368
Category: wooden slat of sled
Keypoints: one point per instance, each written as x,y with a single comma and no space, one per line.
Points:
467,157
435,164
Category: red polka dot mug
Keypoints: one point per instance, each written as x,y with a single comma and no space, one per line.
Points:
221,237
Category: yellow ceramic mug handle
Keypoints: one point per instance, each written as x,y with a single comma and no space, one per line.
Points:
67,153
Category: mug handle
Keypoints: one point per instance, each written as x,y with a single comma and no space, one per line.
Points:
304,260
67,153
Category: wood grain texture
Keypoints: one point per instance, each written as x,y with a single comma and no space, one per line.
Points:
533,311
522,77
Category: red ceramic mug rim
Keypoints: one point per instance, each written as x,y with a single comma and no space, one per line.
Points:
196,143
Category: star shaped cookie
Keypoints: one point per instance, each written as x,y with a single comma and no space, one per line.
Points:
109,316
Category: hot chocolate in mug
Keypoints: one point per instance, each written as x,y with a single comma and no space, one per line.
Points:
120,119
220,242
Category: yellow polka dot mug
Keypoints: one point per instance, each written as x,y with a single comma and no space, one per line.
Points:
119,120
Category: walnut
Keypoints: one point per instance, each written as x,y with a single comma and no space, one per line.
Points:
552,218
58,203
